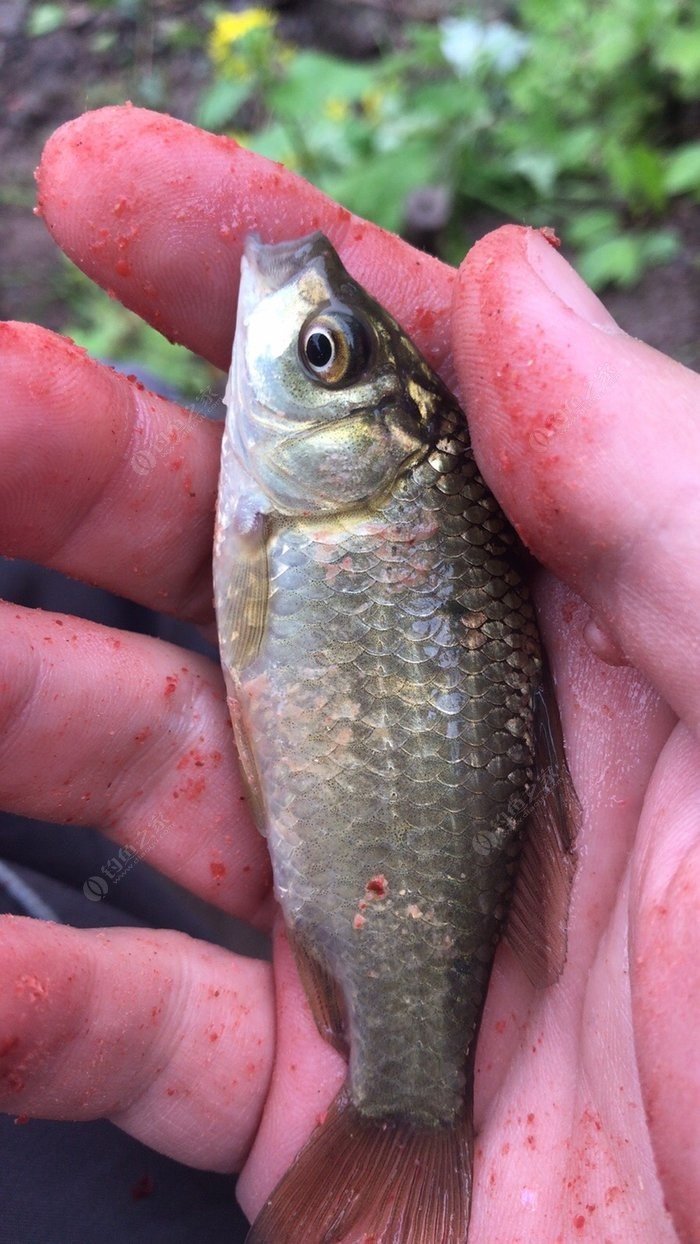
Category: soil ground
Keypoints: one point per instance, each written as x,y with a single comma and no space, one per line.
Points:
106,54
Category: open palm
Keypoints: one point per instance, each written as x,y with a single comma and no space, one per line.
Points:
588,1093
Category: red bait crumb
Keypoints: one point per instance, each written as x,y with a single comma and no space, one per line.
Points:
549,235
170,684
378,886
143,1188
358,921
217,869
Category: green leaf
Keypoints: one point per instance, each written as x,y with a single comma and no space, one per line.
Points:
220,103
680,53
378,188
621,260
682,174
589,229
273,142
44,19
659,247
537,167
637,173
313,80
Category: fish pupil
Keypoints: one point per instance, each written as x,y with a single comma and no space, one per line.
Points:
319,349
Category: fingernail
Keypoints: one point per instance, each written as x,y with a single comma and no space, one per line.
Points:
561,279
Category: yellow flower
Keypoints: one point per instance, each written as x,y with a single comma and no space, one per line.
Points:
336,109
230,28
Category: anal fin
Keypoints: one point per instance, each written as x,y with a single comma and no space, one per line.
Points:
538,917
361,1179
323,995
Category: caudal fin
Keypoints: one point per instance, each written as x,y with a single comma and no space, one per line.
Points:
362,1180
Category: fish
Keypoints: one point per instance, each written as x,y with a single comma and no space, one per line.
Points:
396,730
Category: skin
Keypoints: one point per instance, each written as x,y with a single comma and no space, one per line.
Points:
588,1093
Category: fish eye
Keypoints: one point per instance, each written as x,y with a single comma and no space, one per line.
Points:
334,347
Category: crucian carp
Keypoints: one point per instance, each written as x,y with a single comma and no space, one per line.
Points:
396,730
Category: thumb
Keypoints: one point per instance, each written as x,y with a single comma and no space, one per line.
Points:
591,442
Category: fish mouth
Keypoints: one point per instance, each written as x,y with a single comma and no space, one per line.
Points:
270,265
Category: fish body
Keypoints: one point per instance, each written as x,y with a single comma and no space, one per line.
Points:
383,664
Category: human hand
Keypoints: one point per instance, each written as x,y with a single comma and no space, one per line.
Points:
588,440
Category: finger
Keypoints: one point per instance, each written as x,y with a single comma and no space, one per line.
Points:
170,1038
102,479
665,973
591,441
307,1075
99,727
162,226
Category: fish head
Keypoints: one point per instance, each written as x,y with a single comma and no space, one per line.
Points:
328,400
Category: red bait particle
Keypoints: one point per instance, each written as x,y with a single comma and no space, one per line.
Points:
550,236
142,1188
378,886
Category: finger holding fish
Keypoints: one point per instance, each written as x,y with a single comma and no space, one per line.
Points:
170,1038
93,461
163,227
155,771
591,440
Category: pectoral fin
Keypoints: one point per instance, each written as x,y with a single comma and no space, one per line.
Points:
538,917
241,588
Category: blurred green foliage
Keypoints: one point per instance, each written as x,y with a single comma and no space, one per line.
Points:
567,117
570,114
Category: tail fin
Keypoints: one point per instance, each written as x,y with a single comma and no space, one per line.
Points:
368,1181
